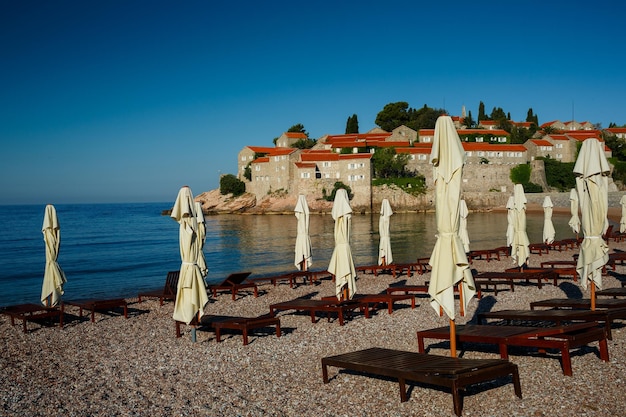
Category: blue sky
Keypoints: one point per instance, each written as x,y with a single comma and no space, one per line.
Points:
126,101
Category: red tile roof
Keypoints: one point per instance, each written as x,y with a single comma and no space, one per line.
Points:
541,142
298,135
481,146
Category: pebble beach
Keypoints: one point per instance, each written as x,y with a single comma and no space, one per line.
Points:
137,367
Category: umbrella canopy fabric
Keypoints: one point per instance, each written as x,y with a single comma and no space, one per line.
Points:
384,246
303,259
510,219
574,221
548,227
622,221
191,295
53,277
463,213
592,170
202,239
520,247
341,264
449,262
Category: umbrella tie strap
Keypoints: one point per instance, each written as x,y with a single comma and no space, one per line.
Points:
593,237
190,263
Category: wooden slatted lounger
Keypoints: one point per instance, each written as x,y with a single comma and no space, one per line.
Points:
234,283
244,324
557,316
315,306
442,371
32,312
562,338
94,305
168,292
581,303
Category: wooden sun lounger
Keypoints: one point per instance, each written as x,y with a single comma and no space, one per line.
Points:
441,371
94,305
244,324
422,289
373,300
234,283
557,316
580,303
517,277
562,338
321,306
33,313
612,292
168,292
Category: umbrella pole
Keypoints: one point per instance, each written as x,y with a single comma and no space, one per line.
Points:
461,303
452,339
593,296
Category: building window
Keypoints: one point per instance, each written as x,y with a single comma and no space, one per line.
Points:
427,139
326,164
257,167
559,145
479,139
423,157
305,175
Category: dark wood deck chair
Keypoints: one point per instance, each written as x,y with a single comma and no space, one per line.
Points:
168,292
233,284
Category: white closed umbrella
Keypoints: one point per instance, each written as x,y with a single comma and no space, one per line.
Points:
341,264
204,270
449,263
385,257
548,227
592,170
303,259
463,213
191,295
574,221
53,277
520,250
622,221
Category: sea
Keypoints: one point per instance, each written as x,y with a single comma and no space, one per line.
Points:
118,250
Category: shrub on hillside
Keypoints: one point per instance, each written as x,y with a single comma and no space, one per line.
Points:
231,184
337,186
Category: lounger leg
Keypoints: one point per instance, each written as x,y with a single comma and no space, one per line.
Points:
604,350
125,311
324,373
504,352
218,334
234,292
567,361
420,344
245,336
457,401
277,329
516,383
178,329
340,315
402,383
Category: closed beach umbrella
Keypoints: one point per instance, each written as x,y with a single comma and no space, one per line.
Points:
592,170
191,295
385,257
303,259
548,227
463,213
520,247
449,263
622,221
53,277
510,220
574,221
202,239
341,264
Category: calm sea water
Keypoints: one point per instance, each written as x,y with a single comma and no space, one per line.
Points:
111,250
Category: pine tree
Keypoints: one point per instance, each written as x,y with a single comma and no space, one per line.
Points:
352,125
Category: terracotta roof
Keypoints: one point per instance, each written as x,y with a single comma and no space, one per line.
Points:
616,129
261,149
558,137
261,160
305,165
541,142
355,156
299,135
415,150
318,156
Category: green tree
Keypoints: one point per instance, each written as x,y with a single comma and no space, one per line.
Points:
393,115
469,122
424,118
304,143
388,164
299,127
520,174
559,175
352,125
481,112
231,184
532,118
